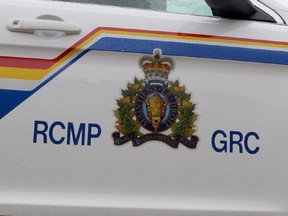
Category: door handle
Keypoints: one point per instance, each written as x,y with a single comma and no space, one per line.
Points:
32,25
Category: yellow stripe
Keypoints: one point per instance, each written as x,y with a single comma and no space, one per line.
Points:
37,74
27,74
196,38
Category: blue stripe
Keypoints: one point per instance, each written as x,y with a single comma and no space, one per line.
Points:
193,50
13,98
10,99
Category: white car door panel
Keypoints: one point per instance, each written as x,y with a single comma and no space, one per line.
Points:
80,134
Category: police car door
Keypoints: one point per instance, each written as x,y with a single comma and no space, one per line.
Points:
142,108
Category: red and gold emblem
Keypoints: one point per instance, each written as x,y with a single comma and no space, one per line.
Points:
154,108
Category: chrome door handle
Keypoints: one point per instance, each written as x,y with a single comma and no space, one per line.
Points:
32,25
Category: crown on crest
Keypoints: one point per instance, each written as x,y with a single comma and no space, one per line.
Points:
156,66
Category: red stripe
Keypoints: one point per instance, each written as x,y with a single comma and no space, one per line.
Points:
35,63
25,62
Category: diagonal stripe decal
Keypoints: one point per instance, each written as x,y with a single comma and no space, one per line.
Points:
35,69
41,71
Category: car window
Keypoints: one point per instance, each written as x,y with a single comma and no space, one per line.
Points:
196,7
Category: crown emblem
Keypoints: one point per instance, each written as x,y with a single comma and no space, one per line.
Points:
154,108
156,66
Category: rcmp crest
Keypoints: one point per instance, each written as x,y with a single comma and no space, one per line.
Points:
155,108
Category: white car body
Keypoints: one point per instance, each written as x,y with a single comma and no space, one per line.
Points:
58,113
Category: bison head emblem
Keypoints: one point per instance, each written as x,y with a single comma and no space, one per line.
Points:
156,108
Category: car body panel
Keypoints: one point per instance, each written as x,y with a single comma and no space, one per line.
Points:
235,71
276,5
